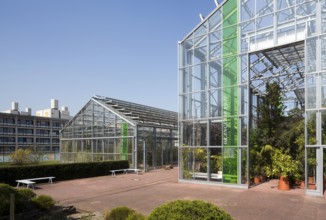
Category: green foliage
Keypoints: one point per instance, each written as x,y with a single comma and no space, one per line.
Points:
136,216
187,210
187,153
25,199
277,130
26,193
5,191
311,129
270,114
21,200
216,161
201,159
36,157
20,156
43,202
283,165
60,171
123,213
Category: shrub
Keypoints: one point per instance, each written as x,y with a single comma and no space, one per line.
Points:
43,202
123,213
187,210
5,191
135,216
26,194
20,156
283,165
24,200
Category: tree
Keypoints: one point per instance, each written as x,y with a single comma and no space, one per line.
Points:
20,156
270,115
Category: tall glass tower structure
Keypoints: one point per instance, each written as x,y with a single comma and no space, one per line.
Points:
224,66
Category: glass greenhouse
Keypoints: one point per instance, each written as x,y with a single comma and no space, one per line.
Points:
111,129
225,66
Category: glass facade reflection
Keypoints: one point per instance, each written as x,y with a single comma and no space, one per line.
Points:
222,73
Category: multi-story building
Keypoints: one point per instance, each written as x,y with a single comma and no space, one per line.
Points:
19,129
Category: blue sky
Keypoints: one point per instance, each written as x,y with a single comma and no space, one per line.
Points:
73,49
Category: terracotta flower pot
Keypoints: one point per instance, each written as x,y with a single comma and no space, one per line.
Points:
284,183
311,180
311,186
256,180
302,184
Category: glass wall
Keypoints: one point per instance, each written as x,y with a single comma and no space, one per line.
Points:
315,98
214,90
213,125
156,147
100,133
96,134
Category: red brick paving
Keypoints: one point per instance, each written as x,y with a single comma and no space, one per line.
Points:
147,191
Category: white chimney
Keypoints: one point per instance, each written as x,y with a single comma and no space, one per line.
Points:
64,108
29,111
54,104
14,106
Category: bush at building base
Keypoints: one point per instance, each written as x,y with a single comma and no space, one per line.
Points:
43,202
123,213
25,200
188,210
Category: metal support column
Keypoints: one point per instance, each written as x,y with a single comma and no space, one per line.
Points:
135,148
144,156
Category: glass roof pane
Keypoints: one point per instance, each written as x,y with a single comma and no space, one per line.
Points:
281,4
215,21
202,30
264,7
247,10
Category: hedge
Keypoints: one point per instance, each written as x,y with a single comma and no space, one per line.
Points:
60,171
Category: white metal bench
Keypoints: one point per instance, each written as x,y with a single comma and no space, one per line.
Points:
132,170
125,171
29,182
200,175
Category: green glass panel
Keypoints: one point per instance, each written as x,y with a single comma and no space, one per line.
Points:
230,69
230,13
230,41
230,92
230,132
124,141
230,101
230,165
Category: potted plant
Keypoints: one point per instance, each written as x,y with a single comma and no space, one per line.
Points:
256,173
256,165
284,167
